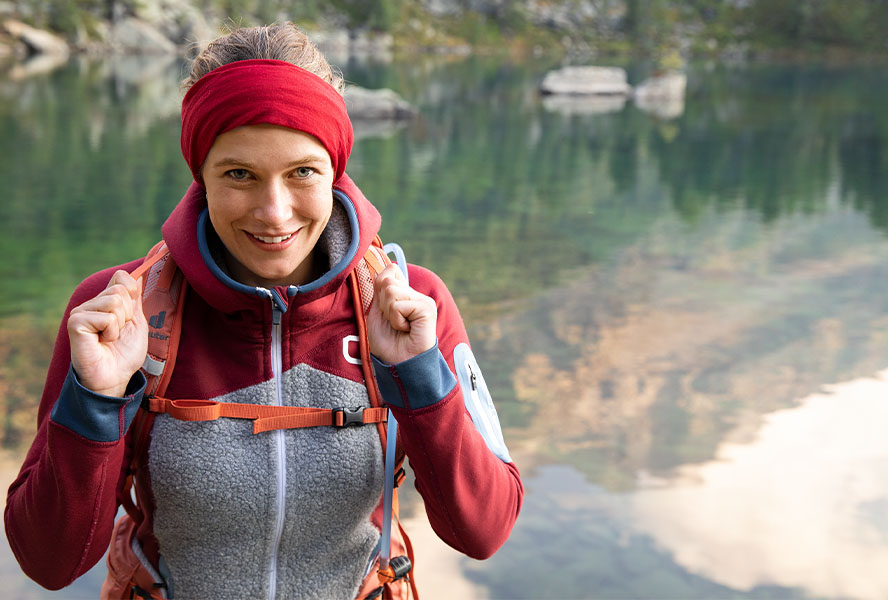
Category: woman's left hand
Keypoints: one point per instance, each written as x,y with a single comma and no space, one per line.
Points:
401,322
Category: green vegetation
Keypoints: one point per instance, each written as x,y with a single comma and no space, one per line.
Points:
640,27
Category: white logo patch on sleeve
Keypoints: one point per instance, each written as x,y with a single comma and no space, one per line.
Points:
478,401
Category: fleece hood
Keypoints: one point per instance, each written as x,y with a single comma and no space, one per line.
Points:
197,250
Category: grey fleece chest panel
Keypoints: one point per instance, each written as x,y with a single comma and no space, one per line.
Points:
219,492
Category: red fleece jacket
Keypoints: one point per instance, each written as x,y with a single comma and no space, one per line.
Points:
60,510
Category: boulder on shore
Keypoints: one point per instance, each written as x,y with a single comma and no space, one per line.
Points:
380,104
35,40
134,36
586,81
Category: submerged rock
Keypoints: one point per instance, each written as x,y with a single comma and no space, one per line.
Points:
671,84
662,95
586,81
380,104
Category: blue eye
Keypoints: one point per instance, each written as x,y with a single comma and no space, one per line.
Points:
238,174
303,172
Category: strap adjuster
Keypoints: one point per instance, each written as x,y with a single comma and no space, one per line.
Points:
400,566
348,417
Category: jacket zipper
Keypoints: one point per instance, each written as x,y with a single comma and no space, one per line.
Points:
276,367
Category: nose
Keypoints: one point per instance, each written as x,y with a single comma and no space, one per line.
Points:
275,204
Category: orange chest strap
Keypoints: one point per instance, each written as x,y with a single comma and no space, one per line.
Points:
267,417
163,296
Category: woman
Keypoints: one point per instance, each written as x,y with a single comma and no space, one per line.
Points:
265,237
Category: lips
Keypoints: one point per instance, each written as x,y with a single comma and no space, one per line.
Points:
275,239
273,243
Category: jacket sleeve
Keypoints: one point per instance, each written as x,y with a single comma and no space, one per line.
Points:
471,488
60,509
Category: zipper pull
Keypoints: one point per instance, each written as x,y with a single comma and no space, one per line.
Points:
473,377
277,301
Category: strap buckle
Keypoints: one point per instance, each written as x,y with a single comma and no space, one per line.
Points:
348,417
400,566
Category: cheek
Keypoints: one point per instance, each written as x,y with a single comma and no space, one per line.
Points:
223,210
217,216
320,207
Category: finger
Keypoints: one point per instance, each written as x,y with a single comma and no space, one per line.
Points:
114,300
391,286
132,286
111,332
391,275
101,323
403,314
389,297
396,314
123,278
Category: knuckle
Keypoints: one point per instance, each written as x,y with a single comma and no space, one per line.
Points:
116,302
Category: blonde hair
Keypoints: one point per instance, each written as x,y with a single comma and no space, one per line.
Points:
279,42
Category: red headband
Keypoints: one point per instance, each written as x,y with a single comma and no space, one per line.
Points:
249,92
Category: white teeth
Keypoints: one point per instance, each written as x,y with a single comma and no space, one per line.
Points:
273,240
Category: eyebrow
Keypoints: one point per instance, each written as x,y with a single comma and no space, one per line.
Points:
240,162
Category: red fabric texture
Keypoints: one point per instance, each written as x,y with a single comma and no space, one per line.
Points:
274,92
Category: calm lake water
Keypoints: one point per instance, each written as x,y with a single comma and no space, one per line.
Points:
683,317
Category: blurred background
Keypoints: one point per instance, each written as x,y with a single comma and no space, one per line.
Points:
680,303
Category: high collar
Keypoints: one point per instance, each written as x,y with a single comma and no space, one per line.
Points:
197,251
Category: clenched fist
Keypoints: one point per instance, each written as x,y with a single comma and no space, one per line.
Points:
109,336
401,321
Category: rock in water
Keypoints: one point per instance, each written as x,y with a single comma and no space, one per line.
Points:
364,104
662,95
586,81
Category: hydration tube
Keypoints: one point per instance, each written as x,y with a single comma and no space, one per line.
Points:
385,549
400,260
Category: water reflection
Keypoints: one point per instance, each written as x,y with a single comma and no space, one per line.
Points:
573,105
39,64
644,295
798,512
639,365
805,505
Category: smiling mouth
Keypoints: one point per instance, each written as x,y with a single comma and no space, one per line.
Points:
272,240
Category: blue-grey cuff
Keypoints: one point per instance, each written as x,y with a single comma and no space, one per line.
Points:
421,381
95,416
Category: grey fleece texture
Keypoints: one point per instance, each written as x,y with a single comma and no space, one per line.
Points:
215,486
337,236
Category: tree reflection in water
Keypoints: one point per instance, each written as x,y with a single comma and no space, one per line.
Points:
653,302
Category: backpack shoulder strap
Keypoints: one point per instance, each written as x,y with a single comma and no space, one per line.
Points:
361,279
163,296
371,265
397,568
163,299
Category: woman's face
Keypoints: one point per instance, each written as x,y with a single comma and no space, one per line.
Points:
270,195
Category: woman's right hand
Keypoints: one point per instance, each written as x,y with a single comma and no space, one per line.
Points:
109,336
